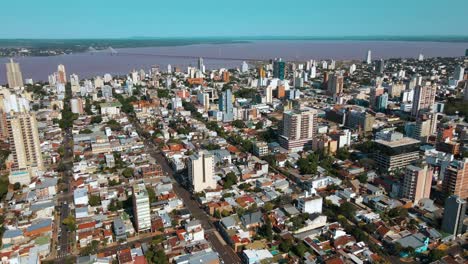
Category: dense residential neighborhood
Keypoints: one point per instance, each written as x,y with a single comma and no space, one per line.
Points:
276,161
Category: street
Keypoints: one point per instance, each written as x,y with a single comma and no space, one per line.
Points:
64,246
225,251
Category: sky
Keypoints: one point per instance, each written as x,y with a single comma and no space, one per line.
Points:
203,18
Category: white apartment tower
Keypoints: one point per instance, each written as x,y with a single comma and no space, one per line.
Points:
201,172
24,146
141,208
14,75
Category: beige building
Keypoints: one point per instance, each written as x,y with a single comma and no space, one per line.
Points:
24,145
14,75
335,84
201,171
456,178
417,183
424,98
298,129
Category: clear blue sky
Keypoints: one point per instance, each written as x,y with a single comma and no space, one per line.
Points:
198,18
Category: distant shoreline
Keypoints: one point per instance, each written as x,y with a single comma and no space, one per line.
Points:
182,41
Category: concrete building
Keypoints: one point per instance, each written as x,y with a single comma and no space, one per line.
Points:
424,98
310,204
77,106
260,149
141,208
61,74
417,183
24,144
201,172
298,129
456,178
225,106
279,69
335,84
14,75
369,57
359,119
454,215
396,151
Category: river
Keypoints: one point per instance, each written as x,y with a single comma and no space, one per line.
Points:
88,65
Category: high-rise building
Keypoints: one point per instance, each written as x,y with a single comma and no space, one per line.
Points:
269,94
424,127
14,75
313,72
417,183
298,129
454,214
424,98
201,172
359,119
24,146
381,102
335,84
393,151
226,76
61,74
456,178
459,73
261,72
380,66
279,69
77,106
465,91
244,67
369,57
374,93
141,208
225,105
201,65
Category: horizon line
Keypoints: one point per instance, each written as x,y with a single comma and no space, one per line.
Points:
244,37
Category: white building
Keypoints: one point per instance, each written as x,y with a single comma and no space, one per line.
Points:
80,196
201,171
141,208
310,204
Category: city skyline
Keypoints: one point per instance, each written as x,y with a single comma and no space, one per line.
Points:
86,19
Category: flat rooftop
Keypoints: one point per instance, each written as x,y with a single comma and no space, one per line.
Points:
398,143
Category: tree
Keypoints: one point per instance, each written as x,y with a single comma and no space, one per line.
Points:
268,206
259,125
152,195
348,210
342,153
96,119
285,245
217,214
398,212
309,164
128,173
230,180
267,229
70,222
86,131
436,254
16,186
300,249
94,200
362,178
238,123
90,249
